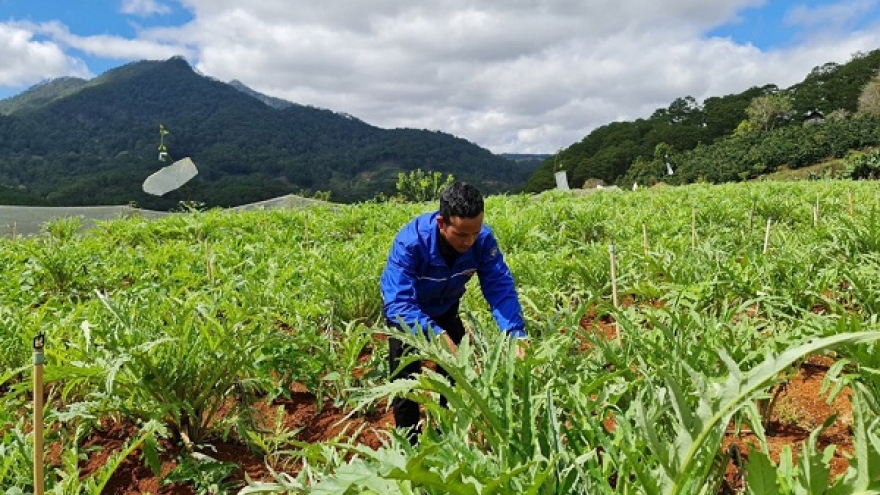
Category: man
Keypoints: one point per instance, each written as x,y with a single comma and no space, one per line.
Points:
431,260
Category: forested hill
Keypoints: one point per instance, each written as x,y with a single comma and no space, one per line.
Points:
77,142
724,138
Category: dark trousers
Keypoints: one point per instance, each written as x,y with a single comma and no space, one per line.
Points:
406,412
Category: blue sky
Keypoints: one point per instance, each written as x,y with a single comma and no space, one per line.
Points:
93,18
776,25
763,26
529,76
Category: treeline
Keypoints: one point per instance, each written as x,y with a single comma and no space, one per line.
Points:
748,155
728,137
94,142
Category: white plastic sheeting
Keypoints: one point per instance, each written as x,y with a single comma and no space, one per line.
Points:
171,177
20,221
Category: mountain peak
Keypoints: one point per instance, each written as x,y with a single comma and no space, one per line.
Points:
174,66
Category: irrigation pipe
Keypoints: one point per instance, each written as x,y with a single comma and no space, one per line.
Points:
39,360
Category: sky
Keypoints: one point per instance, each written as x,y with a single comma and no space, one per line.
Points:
513,76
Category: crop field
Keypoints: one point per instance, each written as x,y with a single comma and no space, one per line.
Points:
694,340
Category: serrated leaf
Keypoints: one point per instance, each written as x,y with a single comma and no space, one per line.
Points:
151,455
760,475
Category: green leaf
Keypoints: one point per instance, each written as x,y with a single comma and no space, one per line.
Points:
760,475
151,455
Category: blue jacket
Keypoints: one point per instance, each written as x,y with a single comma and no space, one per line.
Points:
417,284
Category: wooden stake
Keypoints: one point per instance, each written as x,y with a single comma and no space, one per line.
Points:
816,212
645,237
851,209
39,359
693,228
613,275
767,236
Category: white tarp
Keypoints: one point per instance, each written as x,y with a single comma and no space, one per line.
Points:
171,177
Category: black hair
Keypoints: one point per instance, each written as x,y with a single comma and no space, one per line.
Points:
462,200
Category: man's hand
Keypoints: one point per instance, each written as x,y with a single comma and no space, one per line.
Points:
449,343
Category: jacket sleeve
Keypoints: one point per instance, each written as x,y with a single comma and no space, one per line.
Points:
498,288
399,294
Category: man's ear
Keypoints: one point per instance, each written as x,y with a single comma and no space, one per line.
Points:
440,221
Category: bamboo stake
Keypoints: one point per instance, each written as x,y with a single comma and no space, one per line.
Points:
613,275
816,212
645,237
851,209
39,359
693,228
767,236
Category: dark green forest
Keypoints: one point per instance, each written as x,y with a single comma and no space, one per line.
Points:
75,142
708,142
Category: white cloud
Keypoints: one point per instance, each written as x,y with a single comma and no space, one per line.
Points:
27,60
109,46
144,8
510,75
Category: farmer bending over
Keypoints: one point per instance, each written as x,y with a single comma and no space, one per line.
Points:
431,261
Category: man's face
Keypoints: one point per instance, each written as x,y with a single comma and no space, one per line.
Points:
460,233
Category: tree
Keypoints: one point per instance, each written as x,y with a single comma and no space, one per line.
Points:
869,99
681,111
420,186
765,112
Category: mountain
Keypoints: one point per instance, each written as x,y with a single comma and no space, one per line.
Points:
525,157
75,142
41,94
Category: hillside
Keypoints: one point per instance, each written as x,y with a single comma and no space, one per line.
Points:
702,140
93,143
41,94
